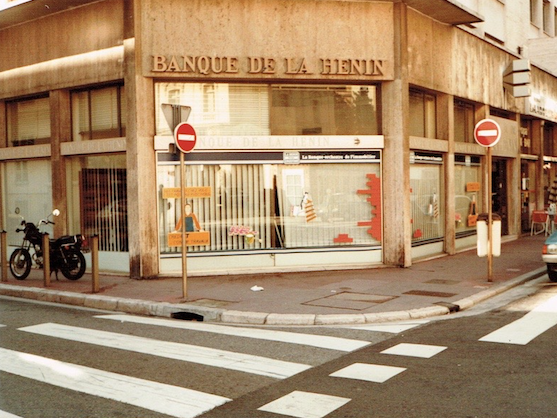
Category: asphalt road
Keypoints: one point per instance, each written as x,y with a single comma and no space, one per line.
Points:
495,361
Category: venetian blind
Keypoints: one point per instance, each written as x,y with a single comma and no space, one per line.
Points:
31,120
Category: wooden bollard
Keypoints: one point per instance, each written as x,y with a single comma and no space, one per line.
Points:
46,260
4,255
95,263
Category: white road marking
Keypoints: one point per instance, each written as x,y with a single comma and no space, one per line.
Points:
4,414
368,372
320,341
305,405
184,352
390,328
165,399
414,350
525,329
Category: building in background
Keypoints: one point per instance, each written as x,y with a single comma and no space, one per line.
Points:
330,135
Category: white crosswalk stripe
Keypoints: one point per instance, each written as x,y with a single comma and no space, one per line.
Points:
319,341
195,354
159,397
525,329
4,414
172,400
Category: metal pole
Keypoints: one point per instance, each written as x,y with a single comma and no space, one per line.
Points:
95,263
4,254
46,260
184,237
489,219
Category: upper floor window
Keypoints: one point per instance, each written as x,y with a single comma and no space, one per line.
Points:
422,114
28,122
222,109
534,7
547,17
463,121
98,113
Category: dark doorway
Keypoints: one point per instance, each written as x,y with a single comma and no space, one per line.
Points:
499,192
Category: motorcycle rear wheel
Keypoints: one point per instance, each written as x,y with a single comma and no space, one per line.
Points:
75,267
20,263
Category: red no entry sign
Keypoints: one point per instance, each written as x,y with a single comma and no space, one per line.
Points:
185,137
487,132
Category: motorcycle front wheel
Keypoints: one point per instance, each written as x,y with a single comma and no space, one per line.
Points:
20,263
74,268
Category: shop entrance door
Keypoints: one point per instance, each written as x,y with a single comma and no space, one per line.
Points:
499,192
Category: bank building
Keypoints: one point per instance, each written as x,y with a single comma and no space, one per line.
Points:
328,134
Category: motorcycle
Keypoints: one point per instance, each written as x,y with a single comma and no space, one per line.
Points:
65,252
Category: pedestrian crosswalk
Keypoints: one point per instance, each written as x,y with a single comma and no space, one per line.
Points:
185,402
531,325
155,396
166,399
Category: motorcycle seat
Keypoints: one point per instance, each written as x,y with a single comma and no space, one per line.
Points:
64,240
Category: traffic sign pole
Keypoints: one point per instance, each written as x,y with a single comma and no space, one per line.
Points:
489,218
487,133
185,139
184,236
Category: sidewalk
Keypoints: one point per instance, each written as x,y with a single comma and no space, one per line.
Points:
427,288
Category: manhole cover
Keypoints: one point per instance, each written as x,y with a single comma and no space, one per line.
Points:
349,300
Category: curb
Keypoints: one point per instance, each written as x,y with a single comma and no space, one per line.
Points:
168,310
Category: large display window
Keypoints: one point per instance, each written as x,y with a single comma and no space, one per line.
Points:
427,198
27,194
468,201
97,199
319,200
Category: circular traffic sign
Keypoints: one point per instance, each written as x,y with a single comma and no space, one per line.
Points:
487,132
185,137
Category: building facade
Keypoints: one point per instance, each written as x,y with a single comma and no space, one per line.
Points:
330,135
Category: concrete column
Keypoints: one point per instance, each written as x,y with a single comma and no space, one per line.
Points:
3,144
537,142
514,195
445,130
60,131
397,232
141,163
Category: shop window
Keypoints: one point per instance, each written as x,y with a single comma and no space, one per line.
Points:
426,197
525,132
98,113
422,114
28,122
97,200
31,193
549,146
468,193
463,121
276,206
221,109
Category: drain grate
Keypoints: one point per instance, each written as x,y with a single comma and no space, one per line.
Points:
442,281
428,293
